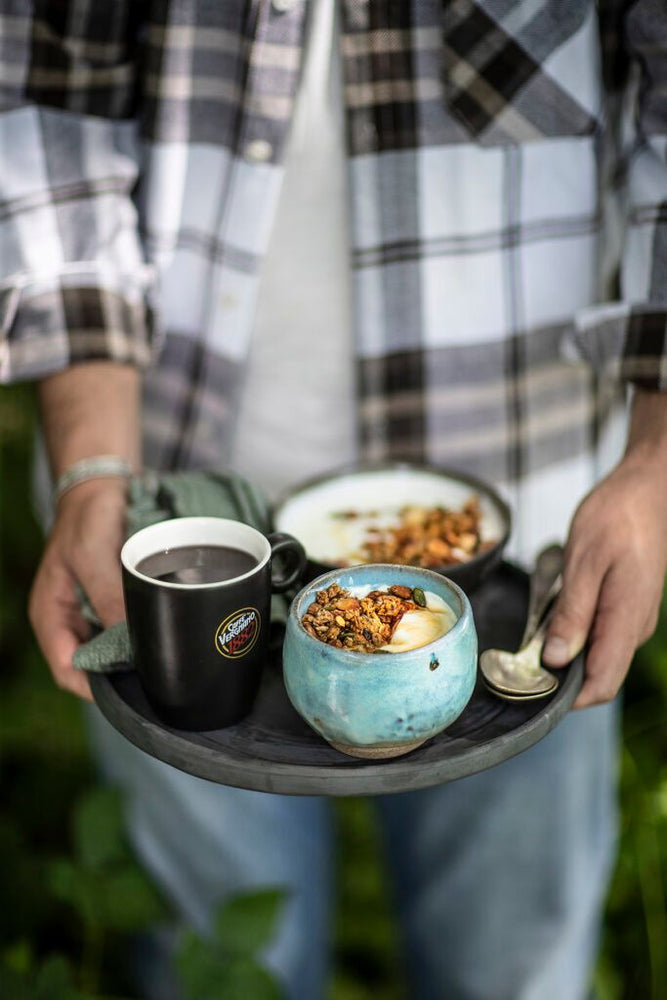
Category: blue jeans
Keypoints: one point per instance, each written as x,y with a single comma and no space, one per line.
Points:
500,878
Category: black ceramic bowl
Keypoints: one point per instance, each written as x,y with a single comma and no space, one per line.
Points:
314,511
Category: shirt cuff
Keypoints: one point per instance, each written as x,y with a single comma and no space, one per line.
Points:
644,361
626,341
48,329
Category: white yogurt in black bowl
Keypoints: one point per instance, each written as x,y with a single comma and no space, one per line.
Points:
335,515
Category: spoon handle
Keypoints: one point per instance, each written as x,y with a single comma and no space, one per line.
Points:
536,640
544,585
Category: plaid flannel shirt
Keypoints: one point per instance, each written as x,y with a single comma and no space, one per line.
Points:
140,165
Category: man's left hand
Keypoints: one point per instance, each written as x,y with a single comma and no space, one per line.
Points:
615,564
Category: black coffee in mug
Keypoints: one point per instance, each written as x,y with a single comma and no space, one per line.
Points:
198,599
197,564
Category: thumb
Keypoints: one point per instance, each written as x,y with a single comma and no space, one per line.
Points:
101,581
573,615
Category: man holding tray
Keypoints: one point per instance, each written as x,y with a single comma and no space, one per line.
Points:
315,232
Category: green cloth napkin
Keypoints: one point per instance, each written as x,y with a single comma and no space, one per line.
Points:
155,497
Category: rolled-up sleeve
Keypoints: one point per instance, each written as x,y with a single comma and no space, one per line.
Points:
643,275
74,284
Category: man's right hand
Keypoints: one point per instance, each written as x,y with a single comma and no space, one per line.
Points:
83,547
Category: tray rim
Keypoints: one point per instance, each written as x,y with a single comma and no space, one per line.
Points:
351,777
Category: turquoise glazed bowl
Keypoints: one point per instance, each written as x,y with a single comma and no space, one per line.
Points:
373,704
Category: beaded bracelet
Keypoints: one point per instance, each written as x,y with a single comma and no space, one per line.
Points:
98,467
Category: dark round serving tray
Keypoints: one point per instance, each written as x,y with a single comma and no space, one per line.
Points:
274,750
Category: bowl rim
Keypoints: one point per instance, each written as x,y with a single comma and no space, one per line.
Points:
445,472
354,656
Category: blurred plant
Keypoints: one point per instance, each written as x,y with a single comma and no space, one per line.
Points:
225,966
633,961
111,894
52,980
103,882
367,944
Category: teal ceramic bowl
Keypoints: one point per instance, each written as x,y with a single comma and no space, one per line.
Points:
381,705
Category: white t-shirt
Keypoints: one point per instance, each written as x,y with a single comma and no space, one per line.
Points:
297,416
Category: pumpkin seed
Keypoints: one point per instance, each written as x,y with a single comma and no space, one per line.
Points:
419,597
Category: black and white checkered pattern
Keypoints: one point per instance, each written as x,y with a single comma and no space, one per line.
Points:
141,147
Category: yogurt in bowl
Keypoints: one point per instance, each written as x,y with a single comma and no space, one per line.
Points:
357,515
375,702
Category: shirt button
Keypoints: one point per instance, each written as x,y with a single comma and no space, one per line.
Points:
258,151
284,6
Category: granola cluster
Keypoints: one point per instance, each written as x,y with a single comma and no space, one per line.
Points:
359,624
427,536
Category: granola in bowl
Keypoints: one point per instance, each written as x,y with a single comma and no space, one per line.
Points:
395,619
422,536
399,513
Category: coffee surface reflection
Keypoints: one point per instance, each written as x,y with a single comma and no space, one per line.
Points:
197,564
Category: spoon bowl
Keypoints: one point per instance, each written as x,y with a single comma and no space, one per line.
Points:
515,697
518,673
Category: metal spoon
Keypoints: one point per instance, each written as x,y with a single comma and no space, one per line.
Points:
520,673
517,697
545,581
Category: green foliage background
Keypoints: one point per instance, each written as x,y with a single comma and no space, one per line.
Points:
57,943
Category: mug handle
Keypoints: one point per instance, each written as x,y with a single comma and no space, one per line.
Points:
282,543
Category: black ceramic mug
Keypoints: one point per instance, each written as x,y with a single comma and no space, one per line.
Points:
199,648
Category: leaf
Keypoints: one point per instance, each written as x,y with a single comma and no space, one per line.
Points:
19,956
225,966
200,966
99,835
14,985
77,886
206,975
123,899
246,923
54,980
244,978
129,901
68,882
63,880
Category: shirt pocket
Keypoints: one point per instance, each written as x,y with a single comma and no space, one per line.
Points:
87,64
523,71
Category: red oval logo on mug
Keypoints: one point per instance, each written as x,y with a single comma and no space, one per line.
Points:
238,633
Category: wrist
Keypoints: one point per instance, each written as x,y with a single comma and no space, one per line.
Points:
647,437
648,420
107,495
112,490
97,467
107,486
